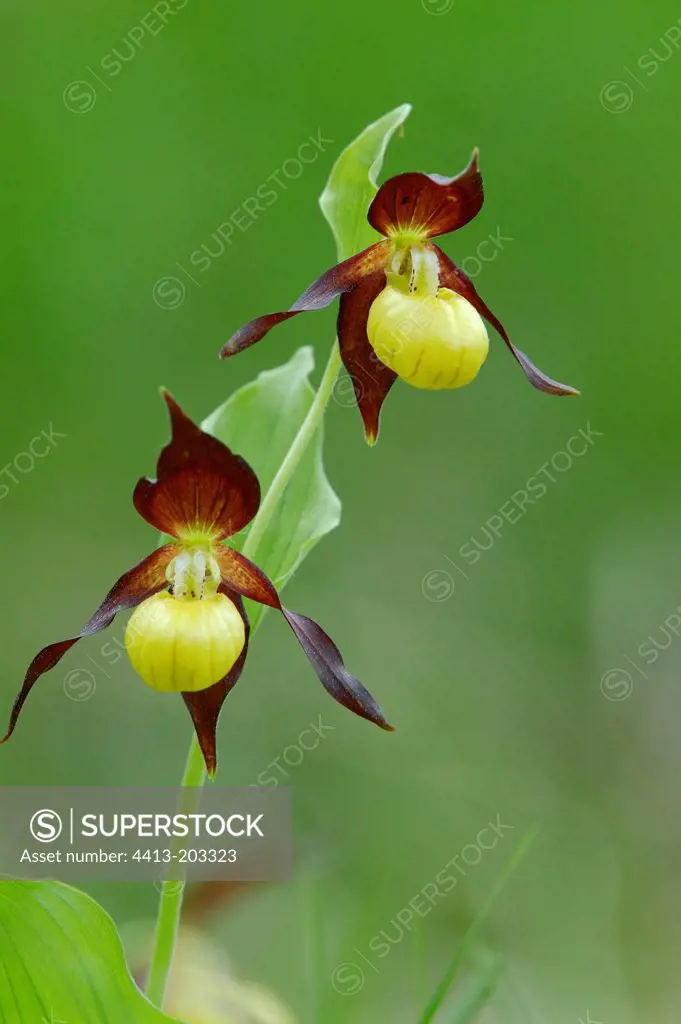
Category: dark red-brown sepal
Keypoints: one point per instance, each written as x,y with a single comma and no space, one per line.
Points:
428,203
247,579
453,277
201,485
143,581
327,662
341,278
371,380
205,705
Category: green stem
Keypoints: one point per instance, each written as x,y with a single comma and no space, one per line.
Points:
172,893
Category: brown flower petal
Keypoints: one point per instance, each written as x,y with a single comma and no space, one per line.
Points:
453,277
245,578
327,662
428,202
341,278
241,575
370,378
143,581
201,485
205,705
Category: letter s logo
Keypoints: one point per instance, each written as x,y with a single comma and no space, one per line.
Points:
46,826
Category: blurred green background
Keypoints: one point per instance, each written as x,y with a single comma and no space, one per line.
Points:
520,689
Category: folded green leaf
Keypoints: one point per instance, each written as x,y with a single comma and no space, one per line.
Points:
260,422
61,961
352,183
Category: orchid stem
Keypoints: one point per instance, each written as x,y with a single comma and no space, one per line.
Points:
172,893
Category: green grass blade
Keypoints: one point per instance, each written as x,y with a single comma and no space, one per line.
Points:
463,948
480,994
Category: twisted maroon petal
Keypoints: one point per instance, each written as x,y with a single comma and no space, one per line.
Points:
247,579
201,485
428,202
327,662
341,278
371,380
453,277
205,706
143,581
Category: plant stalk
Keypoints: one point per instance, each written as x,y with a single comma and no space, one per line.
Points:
172,893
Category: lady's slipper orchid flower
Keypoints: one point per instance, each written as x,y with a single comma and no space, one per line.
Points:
189,632
405,309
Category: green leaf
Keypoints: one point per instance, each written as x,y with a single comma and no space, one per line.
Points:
260,422
61,960
352,183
